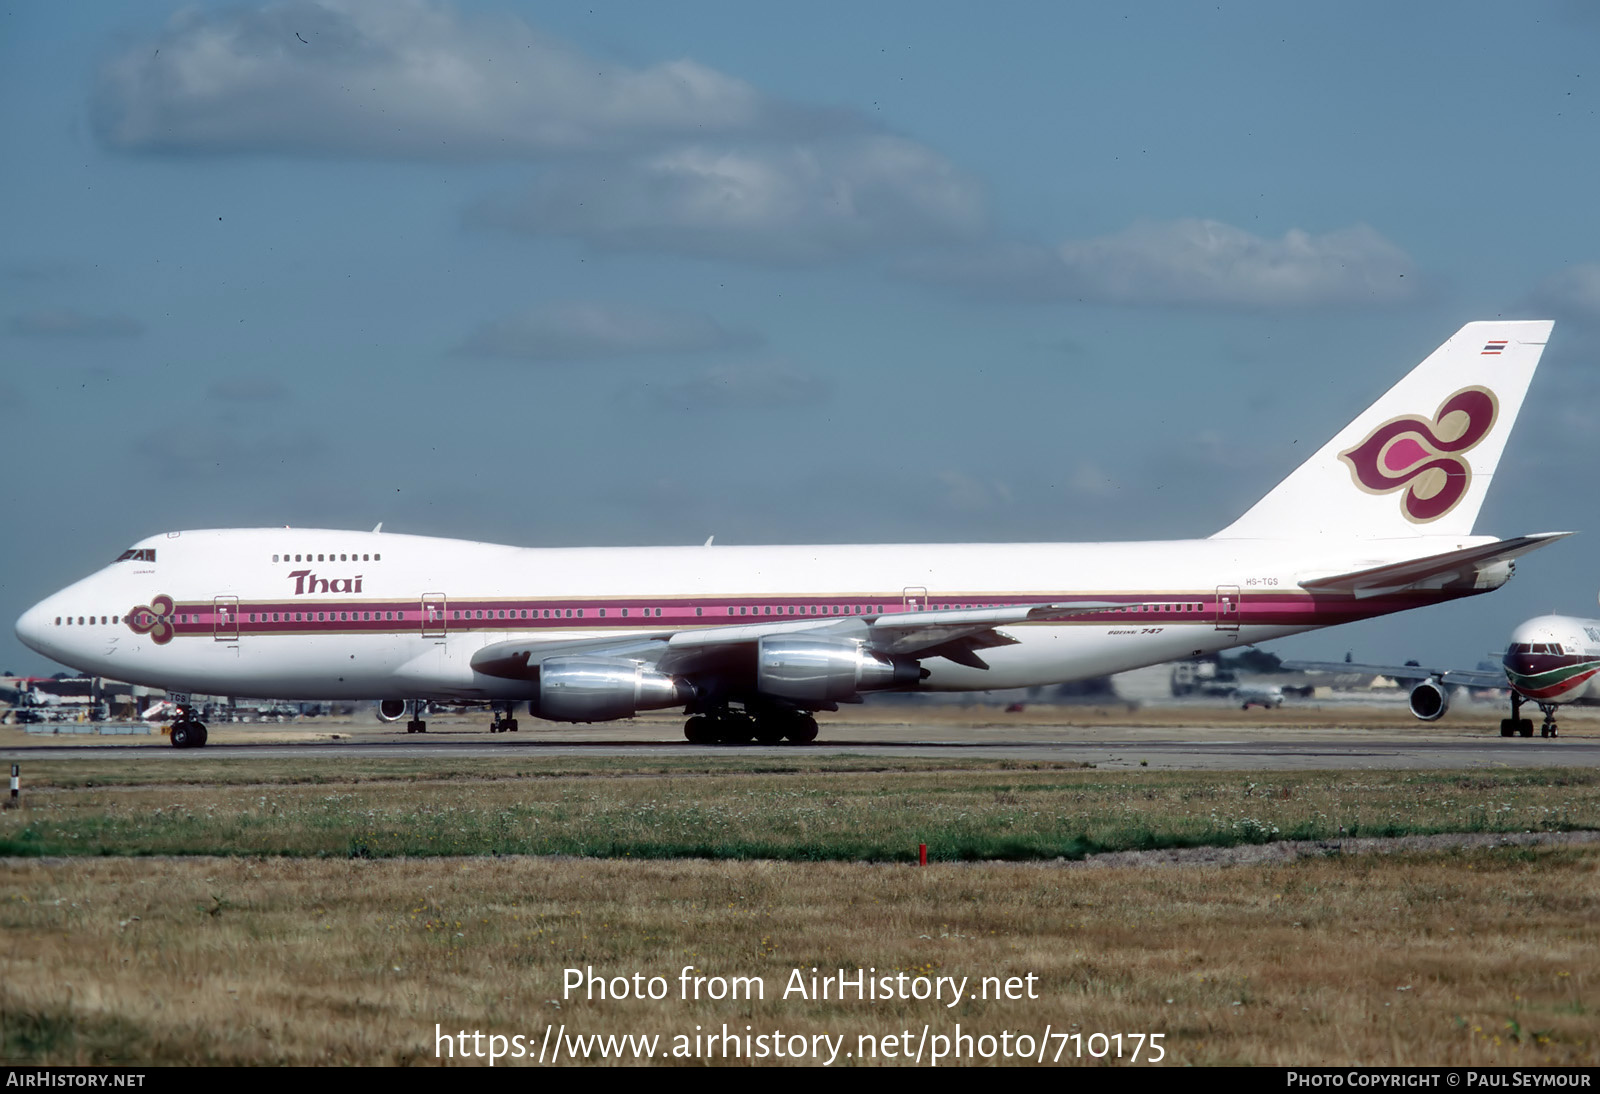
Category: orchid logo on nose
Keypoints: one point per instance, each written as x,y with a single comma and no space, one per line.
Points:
1425,457
154,619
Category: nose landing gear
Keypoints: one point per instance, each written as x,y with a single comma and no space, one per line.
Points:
187,731
1518,726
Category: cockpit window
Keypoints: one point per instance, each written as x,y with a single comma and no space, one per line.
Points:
138,554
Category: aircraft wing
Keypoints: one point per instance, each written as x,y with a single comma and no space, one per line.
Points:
954,633
1431,571
1472,678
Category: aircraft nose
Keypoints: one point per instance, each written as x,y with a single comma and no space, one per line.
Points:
34,627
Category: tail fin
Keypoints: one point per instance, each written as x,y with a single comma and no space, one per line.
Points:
1418,461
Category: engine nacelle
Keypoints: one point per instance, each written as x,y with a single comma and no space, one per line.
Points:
821,670
1429,700
600,689
391,710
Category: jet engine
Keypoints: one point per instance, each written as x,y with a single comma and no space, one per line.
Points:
1429,700
820,670
391,710
599,689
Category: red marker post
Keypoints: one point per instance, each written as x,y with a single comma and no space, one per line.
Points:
922,854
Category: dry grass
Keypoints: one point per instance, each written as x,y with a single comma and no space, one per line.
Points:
1483,957
321,936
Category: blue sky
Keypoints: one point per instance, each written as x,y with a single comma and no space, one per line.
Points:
612,273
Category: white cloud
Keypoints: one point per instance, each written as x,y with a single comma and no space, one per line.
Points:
1575,292
248,389
70,323
748,385
1190,262
584,331
973,493
404,78
773,202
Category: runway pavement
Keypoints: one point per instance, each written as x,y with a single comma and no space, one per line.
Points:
1228,747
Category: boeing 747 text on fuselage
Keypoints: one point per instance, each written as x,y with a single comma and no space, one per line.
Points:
753,641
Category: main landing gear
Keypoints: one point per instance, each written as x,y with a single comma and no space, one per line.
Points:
504,720
721,725
1517,726
187,731
417,725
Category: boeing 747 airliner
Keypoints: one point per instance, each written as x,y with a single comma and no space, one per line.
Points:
753,641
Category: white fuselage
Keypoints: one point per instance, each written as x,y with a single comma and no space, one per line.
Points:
1555,659
320,614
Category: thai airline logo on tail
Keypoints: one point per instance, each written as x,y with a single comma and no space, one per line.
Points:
1423,456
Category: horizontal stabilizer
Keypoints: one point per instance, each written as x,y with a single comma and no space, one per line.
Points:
1431,571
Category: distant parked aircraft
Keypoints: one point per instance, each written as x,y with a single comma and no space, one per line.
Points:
1550,661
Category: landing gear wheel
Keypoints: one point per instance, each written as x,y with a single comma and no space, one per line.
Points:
699,730
735,729
770,730
200,735
508,726
803,731
1508,727
182,734
416,725
1549,727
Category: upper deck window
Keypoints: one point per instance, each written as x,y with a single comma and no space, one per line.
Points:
138,554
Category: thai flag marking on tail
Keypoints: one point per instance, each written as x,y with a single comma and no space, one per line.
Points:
1493,348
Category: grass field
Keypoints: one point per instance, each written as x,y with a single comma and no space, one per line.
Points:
255,913
1476,958
768,808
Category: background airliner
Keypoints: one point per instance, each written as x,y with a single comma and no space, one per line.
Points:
752,641
1550,661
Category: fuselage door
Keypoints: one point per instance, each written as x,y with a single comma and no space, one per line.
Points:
914,598
225,618
1227,607
433,623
